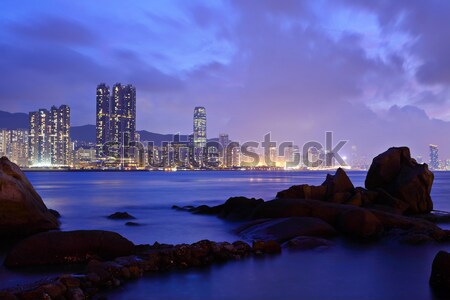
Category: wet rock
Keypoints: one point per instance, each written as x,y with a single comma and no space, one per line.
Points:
121,216
133,224
403,178
338,183
55,213
22,211
304,191
68,247
440,272
283,229
266,247
360,224
307,242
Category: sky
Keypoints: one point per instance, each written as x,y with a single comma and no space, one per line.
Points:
376,73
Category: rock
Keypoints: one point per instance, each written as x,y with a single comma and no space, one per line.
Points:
307,242
402,177
55,213
7,296
440,272
385,198
239,208
133,224
360,224
338,183
121,216
303,191
415,239
68,247
266,247
22,211
284,229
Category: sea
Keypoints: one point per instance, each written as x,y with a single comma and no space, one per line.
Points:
347,270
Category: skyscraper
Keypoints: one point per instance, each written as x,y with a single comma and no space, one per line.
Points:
49,136
434,157
199,150
116,117
39,137
102,118
59,135
18,147
128,119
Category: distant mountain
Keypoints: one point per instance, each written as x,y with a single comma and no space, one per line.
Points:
13,120
84,133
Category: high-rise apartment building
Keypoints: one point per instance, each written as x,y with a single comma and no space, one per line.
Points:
49,136
116,117
60,135
199,136
103,117
434,157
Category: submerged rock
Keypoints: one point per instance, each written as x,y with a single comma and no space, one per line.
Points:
307,242
22,211
121,216
60,247
284,229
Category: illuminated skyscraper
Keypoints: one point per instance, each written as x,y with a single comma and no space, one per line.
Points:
127,131
199,135
39,137
18,147
434,157
102,118
49,136
116,117
59,135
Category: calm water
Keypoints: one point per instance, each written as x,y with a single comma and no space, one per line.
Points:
346,271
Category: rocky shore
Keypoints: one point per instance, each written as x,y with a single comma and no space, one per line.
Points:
395,205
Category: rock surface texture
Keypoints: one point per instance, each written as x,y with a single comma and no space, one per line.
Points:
22,211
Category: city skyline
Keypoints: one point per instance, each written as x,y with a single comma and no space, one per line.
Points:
291,83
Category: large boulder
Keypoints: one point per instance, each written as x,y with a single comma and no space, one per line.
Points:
360,224
22,211
284,229
440,272
402,177
338,183
58,247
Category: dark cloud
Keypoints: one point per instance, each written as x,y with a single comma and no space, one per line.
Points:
52,29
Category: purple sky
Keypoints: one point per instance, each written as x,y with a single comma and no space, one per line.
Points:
377,73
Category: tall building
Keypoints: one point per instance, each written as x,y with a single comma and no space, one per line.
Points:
3,142
18,147
434,157
199,136
199,127
116,117
39,137
128,119
49,136
59,135
102,118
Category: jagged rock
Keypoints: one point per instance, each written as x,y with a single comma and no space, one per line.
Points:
68,247
22,211
338,183
284,229
121,216
402,177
